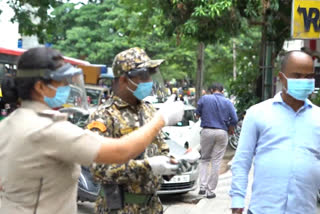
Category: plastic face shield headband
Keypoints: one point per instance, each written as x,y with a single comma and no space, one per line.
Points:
63,72
142,73
67,73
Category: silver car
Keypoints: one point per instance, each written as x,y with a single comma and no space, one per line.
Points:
178,145
179,183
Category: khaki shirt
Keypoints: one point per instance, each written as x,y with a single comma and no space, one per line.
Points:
40,153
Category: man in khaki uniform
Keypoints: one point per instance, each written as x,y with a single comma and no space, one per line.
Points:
130,188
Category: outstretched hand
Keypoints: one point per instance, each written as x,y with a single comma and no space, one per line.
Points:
171,112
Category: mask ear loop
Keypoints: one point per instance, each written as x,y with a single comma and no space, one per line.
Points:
52,87
135,84
285,89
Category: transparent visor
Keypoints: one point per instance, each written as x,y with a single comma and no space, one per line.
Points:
77,97
159,91
67,73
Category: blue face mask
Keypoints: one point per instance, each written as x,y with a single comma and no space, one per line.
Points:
62,94
143,89
300,89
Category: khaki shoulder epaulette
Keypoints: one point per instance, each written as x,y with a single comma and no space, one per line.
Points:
54,115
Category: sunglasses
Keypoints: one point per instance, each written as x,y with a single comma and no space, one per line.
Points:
142,73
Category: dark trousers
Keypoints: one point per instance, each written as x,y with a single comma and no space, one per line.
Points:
249,212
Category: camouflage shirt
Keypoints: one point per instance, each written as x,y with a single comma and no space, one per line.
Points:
115,119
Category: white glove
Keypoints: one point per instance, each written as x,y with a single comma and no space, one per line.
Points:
162,165
171,112
187,161
190,156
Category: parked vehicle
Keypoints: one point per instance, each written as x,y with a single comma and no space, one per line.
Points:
186,132
96,94
233,139
88,189
183,183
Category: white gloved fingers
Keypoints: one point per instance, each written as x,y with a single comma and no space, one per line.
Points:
161,165
172,112
172,168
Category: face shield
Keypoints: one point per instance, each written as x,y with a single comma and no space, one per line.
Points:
78,96
69,74
159,89
159,92
74,78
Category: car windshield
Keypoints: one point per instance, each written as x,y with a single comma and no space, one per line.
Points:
187,117
93,95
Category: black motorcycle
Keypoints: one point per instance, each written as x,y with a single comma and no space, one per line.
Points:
88,189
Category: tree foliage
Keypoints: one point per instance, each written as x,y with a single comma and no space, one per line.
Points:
277,15
244,87
98,32
33,16
205,21
165,29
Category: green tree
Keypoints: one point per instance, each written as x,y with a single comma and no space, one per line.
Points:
207,22
81,33
245,86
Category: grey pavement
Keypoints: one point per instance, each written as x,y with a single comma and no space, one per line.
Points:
192,203
219,205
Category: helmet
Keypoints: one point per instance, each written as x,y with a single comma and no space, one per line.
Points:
134,60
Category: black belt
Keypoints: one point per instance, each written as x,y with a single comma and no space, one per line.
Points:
209,127
131,198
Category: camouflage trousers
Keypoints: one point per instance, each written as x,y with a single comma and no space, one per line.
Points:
153,207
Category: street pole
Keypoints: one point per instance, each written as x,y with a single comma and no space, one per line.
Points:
262,55
268,71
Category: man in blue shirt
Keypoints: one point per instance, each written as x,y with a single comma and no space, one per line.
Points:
218,116
282,138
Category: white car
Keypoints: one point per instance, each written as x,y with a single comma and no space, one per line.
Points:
184,182
186,132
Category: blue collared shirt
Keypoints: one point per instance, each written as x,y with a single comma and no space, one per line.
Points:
216,111
285,146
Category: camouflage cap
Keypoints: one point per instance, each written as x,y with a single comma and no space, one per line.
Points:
132,58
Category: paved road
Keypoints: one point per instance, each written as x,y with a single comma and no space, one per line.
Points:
191,203
173,205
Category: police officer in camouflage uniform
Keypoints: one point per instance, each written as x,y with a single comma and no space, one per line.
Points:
131,188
